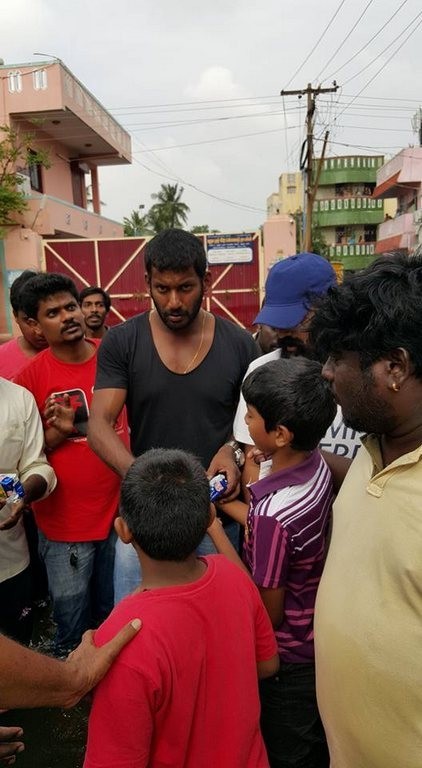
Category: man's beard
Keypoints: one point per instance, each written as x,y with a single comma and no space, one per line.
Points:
187,317
291,346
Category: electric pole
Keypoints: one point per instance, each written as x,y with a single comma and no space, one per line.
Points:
311,94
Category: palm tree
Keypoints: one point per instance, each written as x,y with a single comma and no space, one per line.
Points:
136,225
169,211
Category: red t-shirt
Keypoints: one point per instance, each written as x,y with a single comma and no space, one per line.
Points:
184,692
84,503
12,359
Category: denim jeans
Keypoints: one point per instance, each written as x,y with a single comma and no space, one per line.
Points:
290,722
80,582
127,571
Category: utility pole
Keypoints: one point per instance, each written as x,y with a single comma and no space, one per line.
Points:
311,94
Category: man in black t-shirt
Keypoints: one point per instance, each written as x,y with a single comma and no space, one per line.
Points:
178,369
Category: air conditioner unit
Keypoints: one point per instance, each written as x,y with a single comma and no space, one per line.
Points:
24,183
417,217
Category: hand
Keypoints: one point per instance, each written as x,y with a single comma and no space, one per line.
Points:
223,461
15,513
59,415
10,745
256,455
90,663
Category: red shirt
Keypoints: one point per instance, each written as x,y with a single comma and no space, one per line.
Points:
12,359
84,503
184,692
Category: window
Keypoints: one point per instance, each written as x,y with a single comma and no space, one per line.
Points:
291,190
35,174
39,79
15,82
370,233
291,179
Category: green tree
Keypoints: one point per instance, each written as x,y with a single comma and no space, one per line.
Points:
136,225
319,243
200,228
169,210
15,154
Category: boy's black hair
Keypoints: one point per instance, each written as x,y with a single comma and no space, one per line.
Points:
375,311
175,250
40,287
16,288
165,502
292,393
90,290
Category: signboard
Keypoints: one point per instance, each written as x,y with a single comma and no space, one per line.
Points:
230,249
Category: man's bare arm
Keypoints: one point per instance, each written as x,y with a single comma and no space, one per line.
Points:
106,407
29,679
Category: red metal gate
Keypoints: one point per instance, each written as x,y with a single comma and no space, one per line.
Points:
117,265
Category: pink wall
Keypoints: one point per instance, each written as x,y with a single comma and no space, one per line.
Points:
279,239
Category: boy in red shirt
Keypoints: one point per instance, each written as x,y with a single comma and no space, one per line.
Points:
187,694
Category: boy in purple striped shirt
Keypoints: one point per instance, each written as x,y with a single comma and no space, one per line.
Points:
289,408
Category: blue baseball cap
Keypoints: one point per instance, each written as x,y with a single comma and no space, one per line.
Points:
291,286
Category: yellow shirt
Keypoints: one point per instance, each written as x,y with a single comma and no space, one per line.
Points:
368,616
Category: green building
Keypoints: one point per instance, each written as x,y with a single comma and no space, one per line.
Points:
344,211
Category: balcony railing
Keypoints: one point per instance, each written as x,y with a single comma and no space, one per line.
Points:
348,204
362,249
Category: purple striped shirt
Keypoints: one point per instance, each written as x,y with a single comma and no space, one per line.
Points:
285,544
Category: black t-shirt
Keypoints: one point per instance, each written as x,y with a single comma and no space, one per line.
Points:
192,411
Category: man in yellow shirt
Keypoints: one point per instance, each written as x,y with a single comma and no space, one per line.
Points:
368,618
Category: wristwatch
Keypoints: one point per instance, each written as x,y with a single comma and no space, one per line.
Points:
238,454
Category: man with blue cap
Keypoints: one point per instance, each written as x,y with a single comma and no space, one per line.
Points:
292,288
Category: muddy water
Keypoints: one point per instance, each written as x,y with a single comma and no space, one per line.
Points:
54,738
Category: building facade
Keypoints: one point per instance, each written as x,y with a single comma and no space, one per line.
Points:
401,178
289,197
46,101
345,211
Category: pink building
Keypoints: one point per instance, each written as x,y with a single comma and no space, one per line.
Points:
46,100
279,238
401,177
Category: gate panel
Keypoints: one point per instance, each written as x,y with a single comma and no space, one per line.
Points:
117,265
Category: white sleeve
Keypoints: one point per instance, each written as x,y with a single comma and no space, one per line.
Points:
240,430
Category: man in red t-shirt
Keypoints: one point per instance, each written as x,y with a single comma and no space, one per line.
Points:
16,353
76,522
187,693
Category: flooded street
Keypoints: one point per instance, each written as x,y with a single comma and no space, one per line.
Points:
54,738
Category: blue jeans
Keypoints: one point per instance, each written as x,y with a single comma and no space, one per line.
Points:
127,571
80,582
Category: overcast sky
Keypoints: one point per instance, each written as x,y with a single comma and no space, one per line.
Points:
145,59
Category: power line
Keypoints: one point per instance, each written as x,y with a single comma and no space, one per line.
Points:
322,35
215,141
381,68
250,208
371,39
344,40
384,49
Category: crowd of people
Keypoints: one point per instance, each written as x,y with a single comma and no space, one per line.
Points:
280,625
